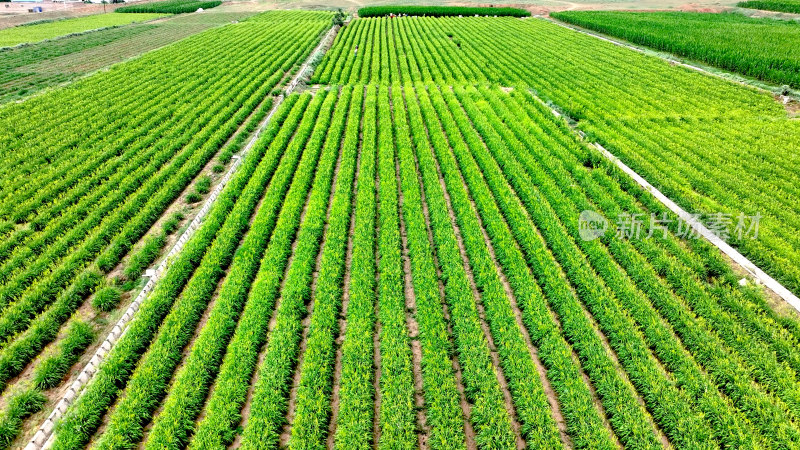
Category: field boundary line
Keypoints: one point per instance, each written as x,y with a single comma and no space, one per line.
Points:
723,246
43,437
671,58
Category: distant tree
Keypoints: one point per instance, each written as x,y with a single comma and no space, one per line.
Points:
338,18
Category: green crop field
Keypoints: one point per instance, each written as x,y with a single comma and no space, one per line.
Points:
26,70
789,6
396,233
766,49
170,7
38,32
677,128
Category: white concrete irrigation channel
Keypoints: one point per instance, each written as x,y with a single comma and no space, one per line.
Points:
43,438
760,276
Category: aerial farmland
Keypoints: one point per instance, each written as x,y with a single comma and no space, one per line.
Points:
286,225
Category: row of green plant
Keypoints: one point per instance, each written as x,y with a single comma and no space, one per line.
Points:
145,389
444,416
538,426
353,420
312,408
170,6
730,426
618,399
270,398
214,242
440,11
623,290
191,384
151,248
489,415
397,417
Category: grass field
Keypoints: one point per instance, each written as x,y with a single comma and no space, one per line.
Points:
421,247
39,32
170,7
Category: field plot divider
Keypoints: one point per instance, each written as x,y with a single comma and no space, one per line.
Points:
734,254
43,438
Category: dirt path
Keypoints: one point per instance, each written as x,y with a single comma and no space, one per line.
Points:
376,342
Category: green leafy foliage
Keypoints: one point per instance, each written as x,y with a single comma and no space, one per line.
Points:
440,11
107,298
39,32
21,405
170,6
78,336
788,6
